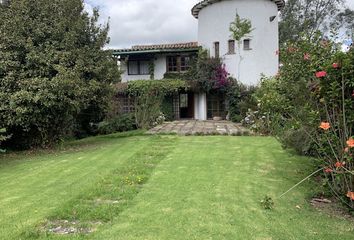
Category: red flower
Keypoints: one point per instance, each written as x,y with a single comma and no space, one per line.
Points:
339,164
335,65
350,143
321,74
328,170
350,195
306,56
325,126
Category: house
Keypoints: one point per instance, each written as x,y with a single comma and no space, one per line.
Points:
247,61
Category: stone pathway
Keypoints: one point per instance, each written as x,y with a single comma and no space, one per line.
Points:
192,127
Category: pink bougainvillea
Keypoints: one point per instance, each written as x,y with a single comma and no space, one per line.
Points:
221,77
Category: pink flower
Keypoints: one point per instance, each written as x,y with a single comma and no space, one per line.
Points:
277,52
306,56
321,74
335,65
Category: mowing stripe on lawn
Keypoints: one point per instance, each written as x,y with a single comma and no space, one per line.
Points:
106,199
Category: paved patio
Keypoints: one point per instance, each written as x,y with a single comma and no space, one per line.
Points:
192,127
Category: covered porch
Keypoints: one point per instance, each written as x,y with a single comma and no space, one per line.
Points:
199,106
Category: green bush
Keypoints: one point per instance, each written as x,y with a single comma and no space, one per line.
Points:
121,123
149,95
309,107
240,100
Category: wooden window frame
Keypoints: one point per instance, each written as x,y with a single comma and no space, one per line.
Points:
179,67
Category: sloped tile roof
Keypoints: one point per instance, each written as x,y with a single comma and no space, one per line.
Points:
160,47
199,6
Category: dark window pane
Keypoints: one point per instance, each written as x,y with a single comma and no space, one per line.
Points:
172,64
185,63
144,67
183,98
247,44
217,49
133,68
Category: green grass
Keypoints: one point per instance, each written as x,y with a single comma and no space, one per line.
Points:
131,186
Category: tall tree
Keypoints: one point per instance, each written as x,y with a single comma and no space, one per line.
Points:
309,16
52,68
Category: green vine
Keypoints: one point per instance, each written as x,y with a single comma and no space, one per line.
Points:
152,69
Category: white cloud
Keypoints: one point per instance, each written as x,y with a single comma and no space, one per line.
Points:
149,21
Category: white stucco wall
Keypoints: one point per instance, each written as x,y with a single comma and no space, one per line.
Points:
160,70
213,26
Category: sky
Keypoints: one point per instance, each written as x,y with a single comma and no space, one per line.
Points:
134,22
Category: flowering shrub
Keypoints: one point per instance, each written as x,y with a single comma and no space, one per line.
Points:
208,74
311,102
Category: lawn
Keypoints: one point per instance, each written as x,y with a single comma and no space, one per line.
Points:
134,186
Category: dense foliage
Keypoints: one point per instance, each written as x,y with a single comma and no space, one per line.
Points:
309,16
208,74
240,100
310,106
121,123
149,98
52,69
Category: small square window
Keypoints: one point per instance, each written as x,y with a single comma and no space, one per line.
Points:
247,44
231,47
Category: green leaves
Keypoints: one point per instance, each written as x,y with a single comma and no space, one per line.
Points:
240,28
53,67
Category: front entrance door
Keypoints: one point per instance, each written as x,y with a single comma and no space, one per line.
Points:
186,105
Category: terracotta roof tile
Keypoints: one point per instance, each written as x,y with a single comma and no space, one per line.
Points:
172,46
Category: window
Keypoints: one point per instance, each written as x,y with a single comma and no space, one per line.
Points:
178,63
183,100
172,65
138,67
217,49
216,106
231,47
185,63
247,44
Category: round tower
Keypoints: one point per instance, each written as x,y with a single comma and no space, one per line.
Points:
254,55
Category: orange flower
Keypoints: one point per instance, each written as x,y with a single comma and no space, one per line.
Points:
350,142
350,195
325,125
339,164
328,170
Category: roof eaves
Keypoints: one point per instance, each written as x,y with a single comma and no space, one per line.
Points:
173,50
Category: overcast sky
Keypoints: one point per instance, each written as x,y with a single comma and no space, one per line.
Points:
149,21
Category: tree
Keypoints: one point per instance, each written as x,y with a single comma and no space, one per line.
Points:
53,67
239,29
310,16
